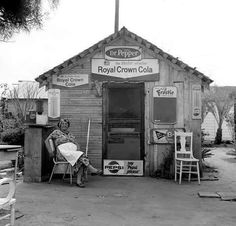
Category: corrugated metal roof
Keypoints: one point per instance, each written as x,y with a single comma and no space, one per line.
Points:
123,32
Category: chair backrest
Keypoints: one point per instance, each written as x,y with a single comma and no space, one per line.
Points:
51,143
11,191
50,147
183,144
8,202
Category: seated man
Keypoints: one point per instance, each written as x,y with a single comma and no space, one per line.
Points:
69,149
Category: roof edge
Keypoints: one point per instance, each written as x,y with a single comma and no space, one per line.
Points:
122,32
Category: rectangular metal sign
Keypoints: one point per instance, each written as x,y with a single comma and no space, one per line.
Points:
163,136
164,91
164,104
125,69
70,80
54,103
123,167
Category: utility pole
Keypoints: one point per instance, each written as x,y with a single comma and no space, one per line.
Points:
117,16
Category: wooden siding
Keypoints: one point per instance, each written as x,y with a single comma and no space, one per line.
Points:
81,103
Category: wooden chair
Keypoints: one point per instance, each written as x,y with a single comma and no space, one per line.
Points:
8,201
184,159
53,152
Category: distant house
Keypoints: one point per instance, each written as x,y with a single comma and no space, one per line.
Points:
26,96
210,127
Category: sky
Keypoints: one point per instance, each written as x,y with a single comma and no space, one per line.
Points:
201,33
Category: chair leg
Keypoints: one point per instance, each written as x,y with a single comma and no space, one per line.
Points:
52,173
175,170
189,173
70,168
198,173
12,220
65,172
180,173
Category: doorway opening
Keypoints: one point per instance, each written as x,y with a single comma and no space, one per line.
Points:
123,128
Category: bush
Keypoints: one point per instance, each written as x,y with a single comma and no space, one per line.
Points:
13,136
206,153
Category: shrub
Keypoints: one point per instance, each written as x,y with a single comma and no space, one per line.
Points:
13,136
206,153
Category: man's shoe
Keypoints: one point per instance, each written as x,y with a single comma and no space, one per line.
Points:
99,172
81,185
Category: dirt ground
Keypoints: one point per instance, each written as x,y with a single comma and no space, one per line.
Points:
130,201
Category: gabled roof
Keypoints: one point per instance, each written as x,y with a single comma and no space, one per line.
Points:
123,32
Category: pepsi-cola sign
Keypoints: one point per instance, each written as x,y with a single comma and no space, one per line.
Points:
114,167
123,167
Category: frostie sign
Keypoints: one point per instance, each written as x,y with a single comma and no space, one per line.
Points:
125,69
123,53
164,91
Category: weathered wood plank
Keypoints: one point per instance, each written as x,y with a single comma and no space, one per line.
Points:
81,110
81,102
78,93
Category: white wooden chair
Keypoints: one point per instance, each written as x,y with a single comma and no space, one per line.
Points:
8,201
53,152
184,159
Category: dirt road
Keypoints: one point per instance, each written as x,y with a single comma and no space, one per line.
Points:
123,201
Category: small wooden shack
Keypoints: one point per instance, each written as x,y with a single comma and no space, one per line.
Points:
136,96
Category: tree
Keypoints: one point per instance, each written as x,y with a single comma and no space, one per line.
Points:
230,123
218,101
22,15
23,97
3,90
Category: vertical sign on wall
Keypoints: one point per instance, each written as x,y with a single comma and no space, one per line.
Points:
53,103
196,102
164,104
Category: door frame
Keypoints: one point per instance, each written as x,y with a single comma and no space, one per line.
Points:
105,90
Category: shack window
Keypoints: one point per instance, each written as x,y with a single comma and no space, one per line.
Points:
164,104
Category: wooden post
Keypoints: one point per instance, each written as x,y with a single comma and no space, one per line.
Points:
117,16
88,133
